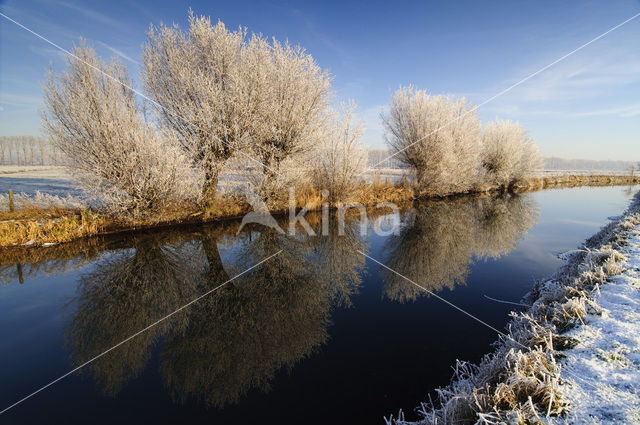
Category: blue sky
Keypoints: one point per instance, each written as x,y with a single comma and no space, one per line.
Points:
587,106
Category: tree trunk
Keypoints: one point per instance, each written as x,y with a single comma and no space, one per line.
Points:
216,274
210,188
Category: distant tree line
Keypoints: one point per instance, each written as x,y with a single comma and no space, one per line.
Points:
27,150
554,163
380,158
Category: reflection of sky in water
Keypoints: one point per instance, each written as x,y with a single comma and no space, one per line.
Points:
308,337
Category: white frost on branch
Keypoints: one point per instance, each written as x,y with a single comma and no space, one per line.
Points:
341,157
114,155
508,154
438,137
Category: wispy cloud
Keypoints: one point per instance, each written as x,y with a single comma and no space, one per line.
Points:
46,51
118,52
19,99
590,80
602,74
89,13
624,112
595,71
323,38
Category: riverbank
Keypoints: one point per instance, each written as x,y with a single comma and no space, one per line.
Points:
572,356
573,180
47,220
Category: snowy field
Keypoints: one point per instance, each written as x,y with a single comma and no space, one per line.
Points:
604,368
31,179
38,171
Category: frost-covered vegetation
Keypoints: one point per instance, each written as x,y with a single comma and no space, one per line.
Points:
214,96
224,104
508,155
342,158
226,94
604,367
438,137
526,380
117,157
441,139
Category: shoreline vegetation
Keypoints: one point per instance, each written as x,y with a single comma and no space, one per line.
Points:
527,379
42,220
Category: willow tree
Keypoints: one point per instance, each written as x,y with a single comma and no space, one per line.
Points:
437,137
507,153
341,157
91,116
224,93
294,119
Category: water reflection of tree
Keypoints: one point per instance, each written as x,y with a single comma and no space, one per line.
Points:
241,335
439,239
502,222
23,264
338,262
127,291
235,339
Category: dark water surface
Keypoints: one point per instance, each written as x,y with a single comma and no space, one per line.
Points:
317,334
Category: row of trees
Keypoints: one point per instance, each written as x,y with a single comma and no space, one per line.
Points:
221,101
441,139
27,150
213,95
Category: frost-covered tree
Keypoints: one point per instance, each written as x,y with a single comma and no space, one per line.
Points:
201,87
341,157
438,137
295,117
113,153
507,153
228,94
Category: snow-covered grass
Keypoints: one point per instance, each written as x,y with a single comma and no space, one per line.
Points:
572,357
26,204
603,369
